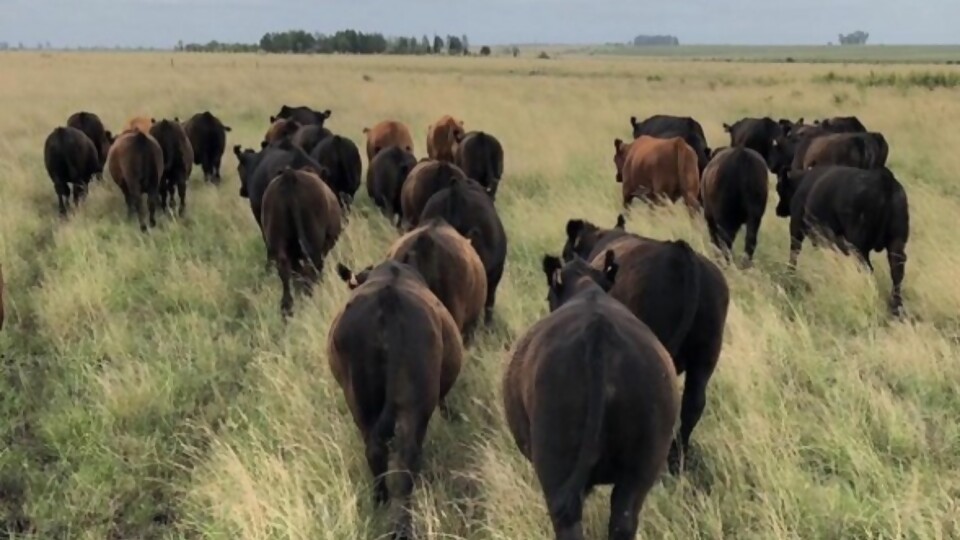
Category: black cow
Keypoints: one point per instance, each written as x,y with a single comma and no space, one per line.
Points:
208,137
842,124
308,136
395,352
91,125
757,134
665,126
385,177
590,398
177,160
469,210
70,158
302,115
681,295
341,157
257,169
863,150
734,192
851,208
480,156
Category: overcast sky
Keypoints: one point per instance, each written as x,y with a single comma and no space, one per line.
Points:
160,23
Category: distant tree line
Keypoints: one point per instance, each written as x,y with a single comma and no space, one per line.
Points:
856,38
644,40
344,41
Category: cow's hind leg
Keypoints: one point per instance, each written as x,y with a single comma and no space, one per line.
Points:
182,191
753,230
625,503
63,196
701,357
411,432
897,258
286,301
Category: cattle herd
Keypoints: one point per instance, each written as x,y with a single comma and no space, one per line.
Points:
590,390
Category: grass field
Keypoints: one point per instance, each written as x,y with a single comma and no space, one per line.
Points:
870,54
149,389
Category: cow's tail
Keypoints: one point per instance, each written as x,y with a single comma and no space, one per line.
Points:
390,340
570,495
684,255
144,165
289,187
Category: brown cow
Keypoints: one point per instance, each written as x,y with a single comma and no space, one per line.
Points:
301,223
396,353
141,123
281,128
177,160
650,168
590,398
442,138
451,268
734,189
680,294
862,150
135,162
427,177
385,134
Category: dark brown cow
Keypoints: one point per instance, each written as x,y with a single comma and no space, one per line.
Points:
341,157
862,150
427,177
301,223
480,156
866,210
681,295
590,398
442,137
451,268
396,353
385,178
281,129
734,192
135,162
385,134
310,135
70,158
91,125
302,115
842,124
650,168
469,210
177,160
208,138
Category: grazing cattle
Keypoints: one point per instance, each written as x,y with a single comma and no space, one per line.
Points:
851,208
480,156
426,178
302,115
136,164
442,138
208,138
650,168
301,224
344,166
70,157
451,268
734,192
258,169
177,160
862,150
667,127
681,295
385,134
140,123
590,398
281,129
310,135
757,134
788,151
385,178
842,124
396,353
91,125
469,210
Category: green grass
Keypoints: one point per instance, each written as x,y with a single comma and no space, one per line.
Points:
150,390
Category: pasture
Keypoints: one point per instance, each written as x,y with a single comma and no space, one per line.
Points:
149,388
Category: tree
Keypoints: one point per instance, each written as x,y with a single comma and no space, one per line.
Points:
465,44
437,44
484,51
856,38
454,46
642,40
516,51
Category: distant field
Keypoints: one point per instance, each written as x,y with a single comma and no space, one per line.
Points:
873,54
149,389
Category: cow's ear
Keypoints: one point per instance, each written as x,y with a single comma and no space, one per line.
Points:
327,113
610,267
617,143
273,119
176,119
800,121
236,150
227,128
551,268
621,222
574,227
726,127
633,121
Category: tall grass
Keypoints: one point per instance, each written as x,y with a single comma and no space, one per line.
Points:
150,390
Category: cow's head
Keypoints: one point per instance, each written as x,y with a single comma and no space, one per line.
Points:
564,281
